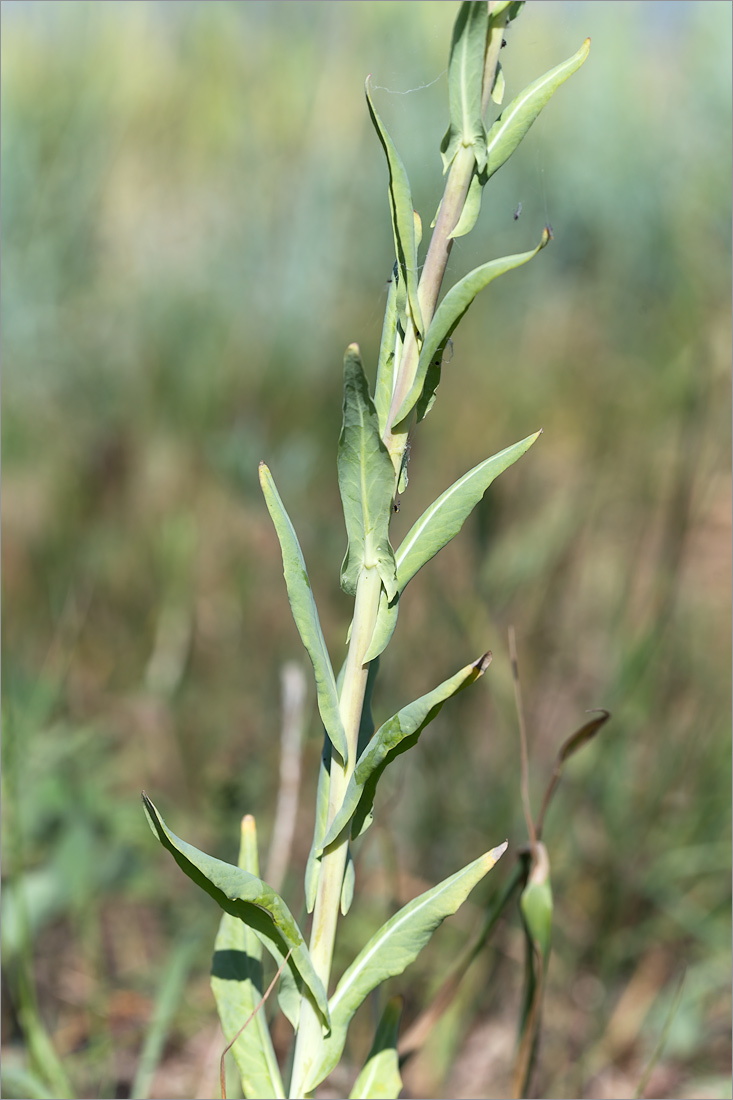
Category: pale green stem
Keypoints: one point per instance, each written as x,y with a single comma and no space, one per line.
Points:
328,898
436,261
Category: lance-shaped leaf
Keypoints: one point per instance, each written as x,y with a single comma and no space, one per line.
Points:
313,866
465,84
436,527
451,310
380,1079
513,123
384,628
445,516
389,349
471,207
398,734
366,731
305,613
347,886
247,897
403,220
236,981
366,482
392,949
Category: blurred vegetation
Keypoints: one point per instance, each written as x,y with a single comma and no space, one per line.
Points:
195,226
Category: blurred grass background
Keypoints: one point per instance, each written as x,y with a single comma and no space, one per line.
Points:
195,226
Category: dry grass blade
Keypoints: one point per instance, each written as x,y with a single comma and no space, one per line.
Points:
569,747
522,741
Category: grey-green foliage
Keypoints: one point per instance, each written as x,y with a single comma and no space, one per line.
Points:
397,735
305,613
397,943
380,1078
371,462
404,221
247,897
238,987
366,482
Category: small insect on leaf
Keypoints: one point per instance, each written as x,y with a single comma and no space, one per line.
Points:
518,211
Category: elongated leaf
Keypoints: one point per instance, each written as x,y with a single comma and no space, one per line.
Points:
403,222
451,310
445,516
313,866
398,734
380,1079
393,948
390,348
497,92
366,724
471,207
384,628
236,981
366,730
513,123
247,897
347,886
305,613
366,482
436,527
465,84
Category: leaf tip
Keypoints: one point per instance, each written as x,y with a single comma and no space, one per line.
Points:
483,662
496,853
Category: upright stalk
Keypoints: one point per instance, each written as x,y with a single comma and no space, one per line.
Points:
436,261
333,863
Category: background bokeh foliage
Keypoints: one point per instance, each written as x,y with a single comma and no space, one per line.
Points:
195,226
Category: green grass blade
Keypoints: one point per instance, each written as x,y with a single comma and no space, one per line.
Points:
514,122
398,734
366,482
238,986
393,948
247,897
403,220
445,516
451,310
465,83
380,1079
305,613
17,1081
167,1003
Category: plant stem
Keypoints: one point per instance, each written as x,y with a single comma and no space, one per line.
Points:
333,863
436,261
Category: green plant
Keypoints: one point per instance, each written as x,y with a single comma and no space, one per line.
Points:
373,457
